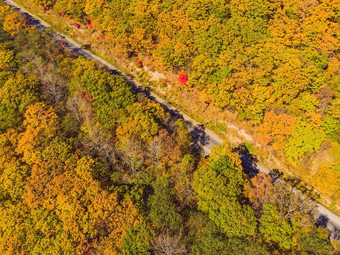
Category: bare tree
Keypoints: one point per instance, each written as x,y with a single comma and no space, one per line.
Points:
97,140
132,154
73,105
167,244
291,203
54,87
154,151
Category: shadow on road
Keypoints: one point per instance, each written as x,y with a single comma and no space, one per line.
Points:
322,221
249,161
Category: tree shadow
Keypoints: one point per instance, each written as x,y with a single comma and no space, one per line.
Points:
198,135
322,221
249,161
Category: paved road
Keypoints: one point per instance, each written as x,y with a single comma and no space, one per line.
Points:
203,137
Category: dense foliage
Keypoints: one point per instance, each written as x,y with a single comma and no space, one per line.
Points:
89,167
273,63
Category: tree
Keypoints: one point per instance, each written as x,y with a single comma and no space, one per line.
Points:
304,140
41,125
238,246
138,239
219,190
163,212
275,129
13,23
167,244
6,59
17,93
315,242
274,228
259,190
142,121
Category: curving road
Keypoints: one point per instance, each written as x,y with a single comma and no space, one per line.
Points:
204,138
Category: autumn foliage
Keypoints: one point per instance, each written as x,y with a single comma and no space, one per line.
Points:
183,78
88,166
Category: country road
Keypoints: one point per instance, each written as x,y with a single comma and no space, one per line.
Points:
202,136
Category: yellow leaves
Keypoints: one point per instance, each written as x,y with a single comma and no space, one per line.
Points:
136,40
285,30
325,170
13,24
41,125
7,155
226,150
41,116
314,119
335,108
94,7
142,121
321,28
125,217
6,58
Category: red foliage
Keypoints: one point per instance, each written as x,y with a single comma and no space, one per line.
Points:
45,8
183,78
76,25
139,63
63,43
165,81
136,58
154,44
62,14
89,98
101,36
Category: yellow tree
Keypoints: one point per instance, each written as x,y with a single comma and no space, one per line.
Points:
41,125
13,23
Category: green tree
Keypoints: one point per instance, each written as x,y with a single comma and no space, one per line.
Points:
315,242
305,139
163,211
219,190
274,228
138,239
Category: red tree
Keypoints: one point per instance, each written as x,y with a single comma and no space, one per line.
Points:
183,78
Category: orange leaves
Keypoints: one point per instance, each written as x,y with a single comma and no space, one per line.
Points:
13,23
259,190
41,125
275,129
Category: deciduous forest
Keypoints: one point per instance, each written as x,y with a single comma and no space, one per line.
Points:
273,65
88,166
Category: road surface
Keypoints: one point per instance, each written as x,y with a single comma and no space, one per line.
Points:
202,136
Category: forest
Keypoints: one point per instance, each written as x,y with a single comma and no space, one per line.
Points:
273,64
87,166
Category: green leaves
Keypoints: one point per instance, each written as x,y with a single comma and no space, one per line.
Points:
305,139
219,191
163,211
274,228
